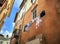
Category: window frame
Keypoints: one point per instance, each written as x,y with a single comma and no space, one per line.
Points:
25,28
42,14
34,13
33,1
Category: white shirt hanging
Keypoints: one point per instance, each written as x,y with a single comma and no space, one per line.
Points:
38,20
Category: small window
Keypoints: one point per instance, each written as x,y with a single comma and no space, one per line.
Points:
32,1
27,26
42,14
34,14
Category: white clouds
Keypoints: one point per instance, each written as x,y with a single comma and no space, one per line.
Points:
5,28
13,24
10,34
7,33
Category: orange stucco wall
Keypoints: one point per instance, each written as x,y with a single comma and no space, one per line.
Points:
49,26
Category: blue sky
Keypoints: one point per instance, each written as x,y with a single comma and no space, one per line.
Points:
8,25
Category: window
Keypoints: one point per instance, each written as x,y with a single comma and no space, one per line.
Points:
34,14
32,1
25,28
42,14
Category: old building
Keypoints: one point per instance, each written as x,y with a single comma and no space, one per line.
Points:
38,19
5,9
4,40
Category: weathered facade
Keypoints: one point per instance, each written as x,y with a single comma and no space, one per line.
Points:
5,9
4,40
38,17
